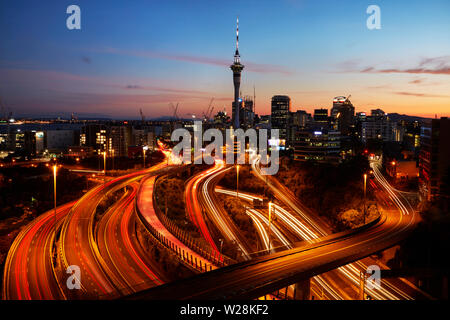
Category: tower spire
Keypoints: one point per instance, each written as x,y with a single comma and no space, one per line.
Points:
237,34
236,55
237,68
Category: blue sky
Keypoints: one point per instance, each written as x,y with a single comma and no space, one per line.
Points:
146,54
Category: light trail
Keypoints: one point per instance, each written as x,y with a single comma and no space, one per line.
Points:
350,270
289,220
216,214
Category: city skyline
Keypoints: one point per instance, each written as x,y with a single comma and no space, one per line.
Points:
231,158
149,55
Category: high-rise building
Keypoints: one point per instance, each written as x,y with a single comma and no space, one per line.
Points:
237,68
281,107
321,116
59,140
434,161
297,121
343,114
95,136
378,126
300,118
318,145
247,116
117,141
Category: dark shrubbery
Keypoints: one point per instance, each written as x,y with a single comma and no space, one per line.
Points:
329,190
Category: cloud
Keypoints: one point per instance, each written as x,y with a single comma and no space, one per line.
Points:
437,65
86,59
156,88
57,79
417,81
385,86
422,95
250,66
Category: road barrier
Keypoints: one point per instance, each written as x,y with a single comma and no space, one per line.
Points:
214,259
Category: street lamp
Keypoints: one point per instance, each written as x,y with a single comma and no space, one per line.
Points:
270,222
104,162
113,156
365,187
221,245
54,194
104,167
144,149
237,181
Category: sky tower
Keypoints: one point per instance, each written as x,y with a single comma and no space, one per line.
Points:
237,68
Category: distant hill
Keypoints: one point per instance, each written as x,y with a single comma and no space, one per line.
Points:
400,117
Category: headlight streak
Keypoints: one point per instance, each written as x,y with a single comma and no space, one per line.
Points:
350,271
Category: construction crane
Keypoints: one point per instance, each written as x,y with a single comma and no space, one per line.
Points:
175,111
2,110
209,111
142,115
5,112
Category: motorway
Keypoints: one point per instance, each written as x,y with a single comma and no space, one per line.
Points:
113,264
78,246
280,239
146,209
193,207
217,213
119,247
252,279
393,289
29,272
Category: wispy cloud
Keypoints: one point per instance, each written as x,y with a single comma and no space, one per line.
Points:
250,66
423,95
384,86
86,59
417,81
60,78
437,65
162,89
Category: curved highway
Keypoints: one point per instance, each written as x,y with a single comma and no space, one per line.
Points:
252,279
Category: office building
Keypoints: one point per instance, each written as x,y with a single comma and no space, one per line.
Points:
281,107
321,117
434,161
343,114
318,145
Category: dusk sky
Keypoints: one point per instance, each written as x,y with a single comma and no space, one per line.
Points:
146,54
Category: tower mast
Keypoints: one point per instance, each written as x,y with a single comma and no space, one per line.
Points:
237,68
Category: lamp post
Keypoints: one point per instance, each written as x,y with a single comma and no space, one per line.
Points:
394,169
270,222
221,245
54,195
113,156
144,149
267,164
365,187
237,181
167,179
104,166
